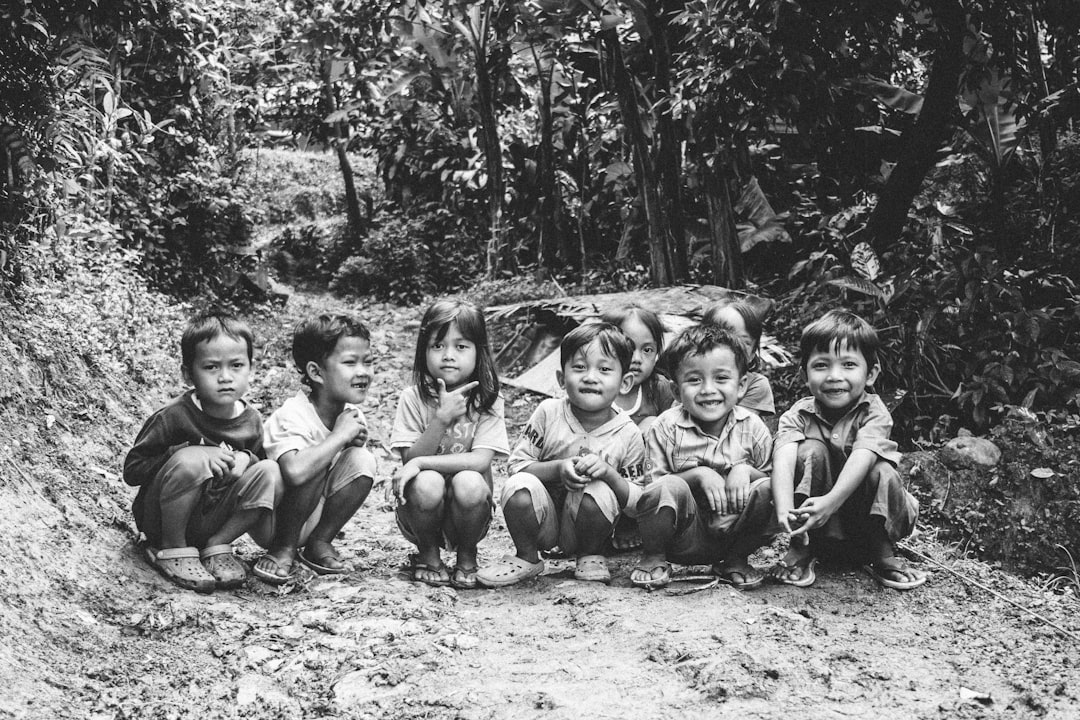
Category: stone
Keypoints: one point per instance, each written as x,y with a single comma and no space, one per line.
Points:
970,452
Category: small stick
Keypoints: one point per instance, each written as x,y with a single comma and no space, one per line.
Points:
995,593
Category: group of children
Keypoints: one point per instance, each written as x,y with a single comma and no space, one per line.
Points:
662,449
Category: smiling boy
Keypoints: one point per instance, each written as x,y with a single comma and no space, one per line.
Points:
579,462
319,438
834,466
709,501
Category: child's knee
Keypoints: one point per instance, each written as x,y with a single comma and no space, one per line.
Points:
470,489
884,474
426,491
812,450
357,460
519,489
187,469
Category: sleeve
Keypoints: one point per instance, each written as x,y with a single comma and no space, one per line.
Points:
658,440
530,446
286,431
254,446
491,430
409,420
759,395
791,428
873,434
150,451
633,463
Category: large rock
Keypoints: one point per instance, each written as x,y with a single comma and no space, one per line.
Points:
970,452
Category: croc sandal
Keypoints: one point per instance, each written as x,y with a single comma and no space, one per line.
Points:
741,577
281,573
318,563
220,562
807,576
648,580
182,566
509,570
438,575
464,578
592,568
885,569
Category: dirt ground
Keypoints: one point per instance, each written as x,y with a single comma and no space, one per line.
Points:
88,630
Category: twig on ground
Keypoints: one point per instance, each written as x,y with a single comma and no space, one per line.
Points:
707,583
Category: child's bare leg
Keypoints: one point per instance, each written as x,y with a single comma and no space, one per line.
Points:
469,512
296,507
523,525
884,560
239,523
592,528
423,512
175,514
657,531
338,510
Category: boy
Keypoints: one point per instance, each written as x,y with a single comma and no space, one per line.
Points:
834,466
199,464
709,501
578,464
319,439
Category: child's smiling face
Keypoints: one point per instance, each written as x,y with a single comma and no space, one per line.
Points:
592,380
710,385
451,359
837,378
344,376
221,374
645,350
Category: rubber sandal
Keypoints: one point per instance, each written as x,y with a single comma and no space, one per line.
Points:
509,570
592,568
806,566
274,578
317,563
220,562
730,575
893,565
182,566
441,571
464,578
652,583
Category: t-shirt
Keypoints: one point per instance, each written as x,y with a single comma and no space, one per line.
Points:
296,425
469,432
554,433
182,423
867,425
655,400
676,443
758,396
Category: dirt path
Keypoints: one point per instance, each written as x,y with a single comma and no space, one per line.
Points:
90,632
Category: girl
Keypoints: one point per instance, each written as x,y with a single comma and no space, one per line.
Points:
448,428
741,319
650,395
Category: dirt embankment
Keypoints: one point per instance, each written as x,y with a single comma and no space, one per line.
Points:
90,632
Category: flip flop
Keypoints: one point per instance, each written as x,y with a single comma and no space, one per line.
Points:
274,578
652,583
509,570
182,566
317,564
441,571
464,578
740,577
220,562
877,569
806,566
592,568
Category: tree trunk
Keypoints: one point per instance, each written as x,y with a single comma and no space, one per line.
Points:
921,141
552,246
489,128
1047,133
339,140
726,255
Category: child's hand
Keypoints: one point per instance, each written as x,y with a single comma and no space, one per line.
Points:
571,480
401,476
714,487
240,462
361,439
813,513
454,403
738,488
348,424
221,461
591,466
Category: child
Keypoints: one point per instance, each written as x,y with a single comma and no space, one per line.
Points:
449,426
199,464
741,319
709,501
577,465
319,438
834,467
649,395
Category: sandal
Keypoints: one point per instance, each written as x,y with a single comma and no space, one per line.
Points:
742,576
650,582
464,578
182,566
592,568
807,576
220,562
281,573
509,570
885,569
318,563
440,572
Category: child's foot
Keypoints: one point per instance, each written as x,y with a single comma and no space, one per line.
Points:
738,573
797,567
182,566
431,571
463,575
654,571
220,562
592,568
895,573
626,536
276,567
321,557
508,571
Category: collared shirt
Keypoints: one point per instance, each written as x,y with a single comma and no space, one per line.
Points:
866,426
676,443
554,433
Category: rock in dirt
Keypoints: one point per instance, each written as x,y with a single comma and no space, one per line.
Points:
970,452
254,688
355,689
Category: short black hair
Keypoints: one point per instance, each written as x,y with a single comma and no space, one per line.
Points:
700,339
836,328
314,339
207,326
613,342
